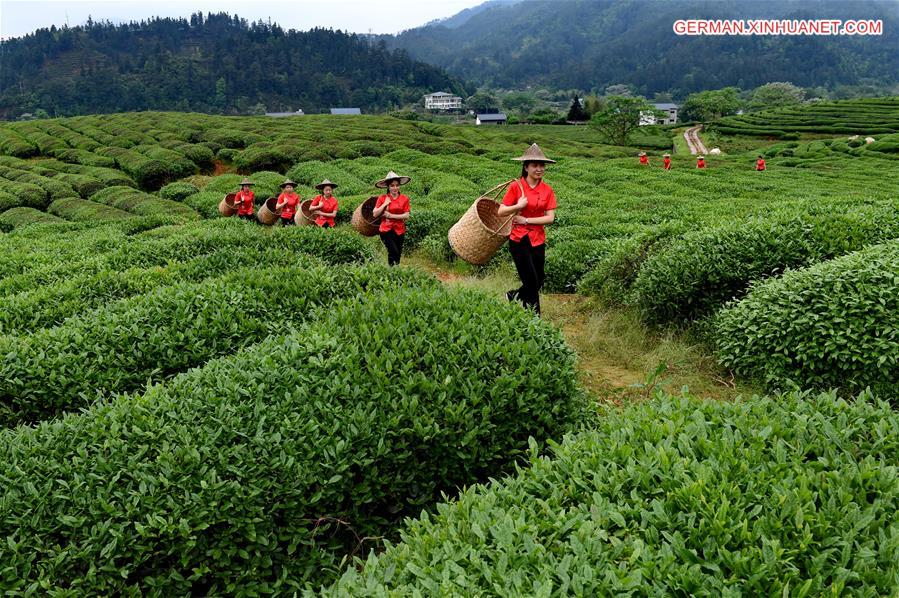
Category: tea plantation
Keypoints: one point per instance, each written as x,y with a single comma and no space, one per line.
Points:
193,404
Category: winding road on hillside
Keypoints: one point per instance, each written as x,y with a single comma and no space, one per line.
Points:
694,142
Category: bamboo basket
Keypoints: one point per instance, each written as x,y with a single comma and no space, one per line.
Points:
267,213
304,217
363,221
227,207
481,232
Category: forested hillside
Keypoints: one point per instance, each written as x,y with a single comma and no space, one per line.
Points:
217,63
590,44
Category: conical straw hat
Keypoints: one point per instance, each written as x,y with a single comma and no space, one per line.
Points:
534,154
382,184
326,183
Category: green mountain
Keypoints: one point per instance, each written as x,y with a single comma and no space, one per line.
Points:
216,63
590,44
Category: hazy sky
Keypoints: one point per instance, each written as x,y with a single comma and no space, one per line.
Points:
19,17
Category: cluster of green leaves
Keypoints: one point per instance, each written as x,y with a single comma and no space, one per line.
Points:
177,191
832,325
21,216
143,204
150,337
85,210
673,496
263,471
696,273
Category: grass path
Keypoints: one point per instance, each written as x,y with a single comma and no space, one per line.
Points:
619,358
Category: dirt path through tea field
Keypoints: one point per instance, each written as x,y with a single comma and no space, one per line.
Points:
619,359
695,144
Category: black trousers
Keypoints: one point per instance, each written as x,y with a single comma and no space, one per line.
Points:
394,244
529,261
288,221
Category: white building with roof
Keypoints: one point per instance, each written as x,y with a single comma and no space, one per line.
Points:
442,101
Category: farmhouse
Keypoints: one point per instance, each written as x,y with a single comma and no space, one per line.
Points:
491,119
443,101
670,117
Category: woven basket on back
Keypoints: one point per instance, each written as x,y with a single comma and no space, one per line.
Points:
304,217
363,221
227,207
480,232
267,213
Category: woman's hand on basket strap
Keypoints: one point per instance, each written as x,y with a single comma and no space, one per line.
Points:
520,220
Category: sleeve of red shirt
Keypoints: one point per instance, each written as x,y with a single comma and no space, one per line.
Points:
513,194
406,207
380,201
551,201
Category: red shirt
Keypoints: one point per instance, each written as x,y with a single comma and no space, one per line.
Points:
244,202
667,162
760,165
644,160
540,199
700,163
291,200
400,205
329,204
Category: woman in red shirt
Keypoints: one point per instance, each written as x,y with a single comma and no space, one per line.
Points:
644,160
393,209
244,200
667,161
325,204
533,210
760,164
700,162
287,202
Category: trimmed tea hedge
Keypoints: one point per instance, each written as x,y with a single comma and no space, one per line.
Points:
16,217
134,341
694,275
84,210
177,191
795,494
261,472
833,325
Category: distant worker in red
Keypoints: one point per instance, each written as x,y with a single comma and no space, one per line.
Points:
244,200
324,206
287,202
644,159
760,164
700,162
667,161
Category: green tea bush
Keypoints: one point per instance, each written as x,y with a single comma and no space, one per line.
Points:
832,325
131,342
261,158
84,210
138,202
8,201
177,191
795,494
13,144
567,264
696,273
20,216
261,472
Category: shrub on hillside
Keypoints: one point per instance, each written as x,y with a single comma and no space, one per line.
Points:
672,497
833,325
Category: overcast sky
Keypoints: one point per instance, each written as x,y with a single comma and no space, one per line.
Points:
19,17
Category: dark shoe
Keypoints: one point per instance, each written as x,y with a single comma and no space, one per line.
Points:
512,296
